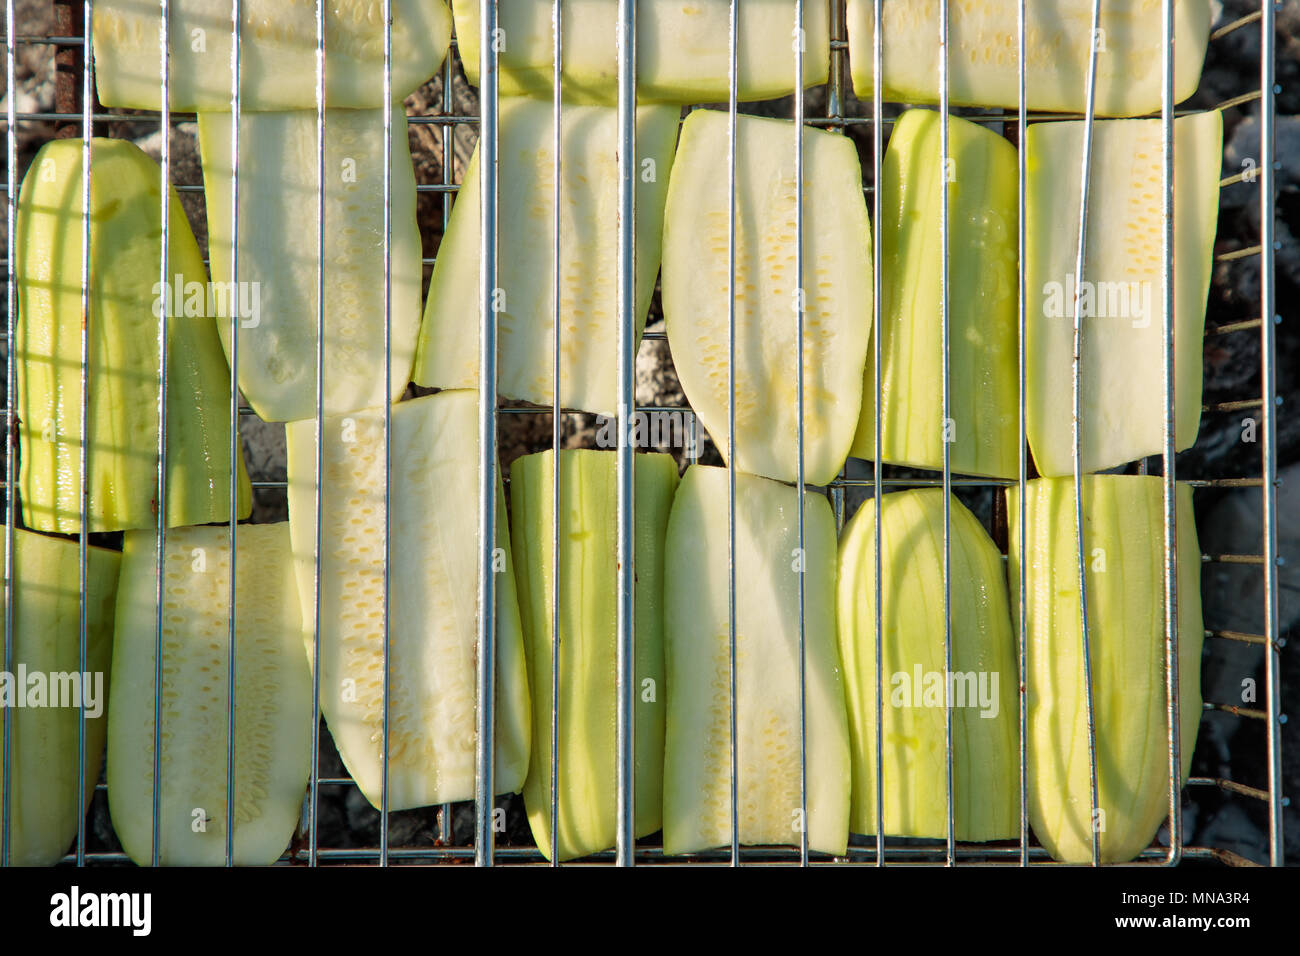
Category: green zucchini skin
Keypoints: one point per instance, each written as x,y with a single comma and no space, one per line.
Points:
126,304
697,746
985,711
46,739
587,709
1123,545
982,431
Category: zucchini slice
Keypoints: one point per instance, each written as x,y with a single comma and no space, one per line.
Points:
449,341
982,284
272,698
126,301
587,785
982,688
278,217
46,729
682,49
277,66
836,284
1123,544
432,587
697,747
983,41
1121,300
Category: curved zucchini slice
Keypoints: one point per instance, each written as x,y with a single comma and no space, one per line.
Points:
277,68
588,621
682,48
432,608
47,728
272,698
981,689
278,277
983,40
1123,544
836,285
697,748
982,282
126,301
1121,299
448,355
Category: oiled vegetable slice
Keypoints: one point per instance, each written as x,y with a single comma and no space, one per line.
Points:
46,688
588,622
697,749
1121,297
981,428
981,689
272,698
682,48
433,585
983,40
277,58
278,275
126,302
448,356
1123,546
836,289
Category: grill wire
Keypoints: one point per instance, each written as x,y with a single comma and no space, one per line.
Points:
482,849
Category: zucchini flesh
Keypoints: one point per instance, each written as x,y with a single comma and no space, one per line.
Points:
1121,299
278,218
47,641
1123,538
983,41
697,746
277,60
273,709
836,283
122,376
449,352
986,736
588,622
432,609
982,283
682,49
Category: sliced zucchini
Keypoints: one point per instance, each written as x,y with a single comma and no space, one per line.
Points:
432,588
1121,300
697,747
981,688
449,341
126,302
46,688
682,50
982,427
836,289
272,697
983,40
278,274
1123,546
588,622
277,59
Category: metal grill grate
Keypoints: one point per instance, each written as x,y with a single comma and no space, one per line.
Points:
839,115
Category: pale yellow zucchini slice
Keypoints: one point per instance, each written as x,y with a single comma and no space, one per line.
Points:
1121,297
433,633
272,700
1123,548
697,749
836,288
983,40
277,59
449,340
44,691
981,688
